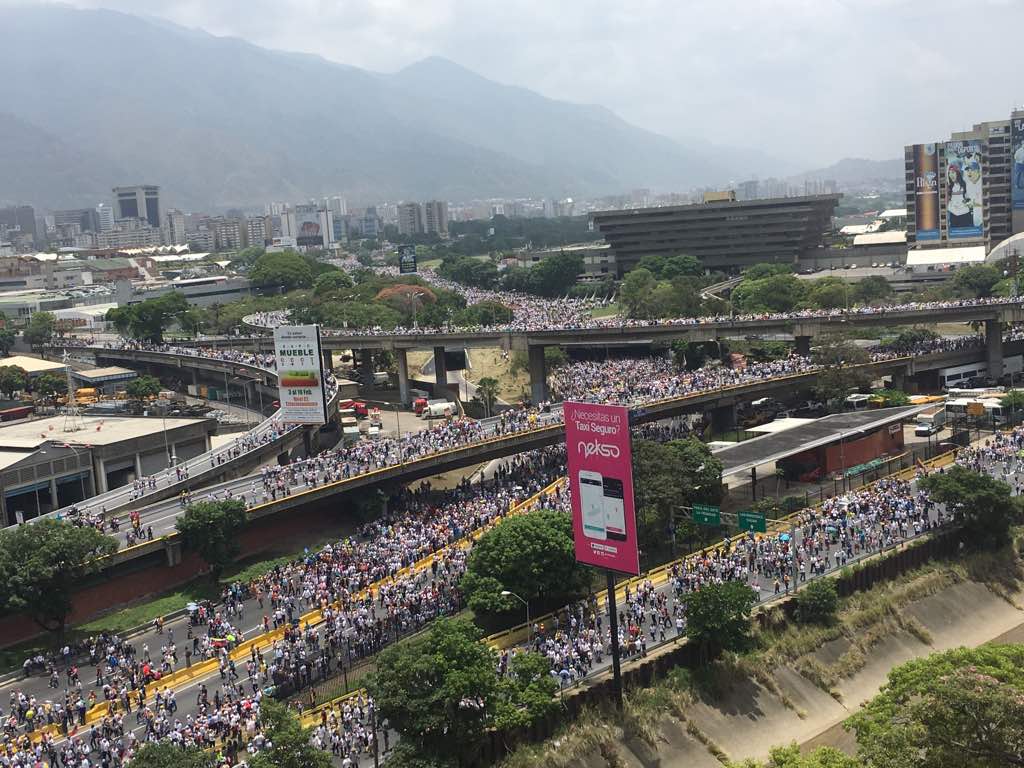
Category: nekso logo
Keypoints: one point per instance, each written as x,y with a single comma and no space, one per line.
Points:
593,448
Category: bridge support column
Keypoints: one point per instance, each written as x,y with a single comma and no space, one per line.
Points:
440,373
366,362
195,379
328,359
538,375
173,551
402,357
898,380
723,418
803,345
994,348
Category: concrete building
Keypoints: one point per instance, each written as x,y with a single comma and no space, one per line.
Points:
203,238
723,235
108,380
435,217
228,233
410,219
257,231
130,233
18,223
43,467
932,225
86,218
598,260
105,215
139,202
174,228
370,225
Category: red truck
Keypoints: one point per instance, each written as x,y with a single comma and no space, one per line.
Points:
360,408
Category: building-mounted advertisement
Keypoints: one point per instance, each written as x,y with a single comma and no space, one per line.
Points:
308,232
964,205
300,374
926,183
1017,159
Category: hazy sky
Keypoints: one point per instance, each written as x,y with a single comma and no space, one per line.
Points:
807,80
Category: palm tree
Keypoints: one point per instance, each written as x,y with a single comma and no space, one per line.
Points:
487,391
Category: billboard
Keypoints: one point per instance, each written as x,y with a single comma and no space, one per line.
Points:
307,227
1017,158
964,209
926,191
406,259
601,486
300,374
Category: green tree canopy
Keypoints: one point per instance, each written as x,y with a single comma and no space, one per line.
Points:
670,267
41,565
484,313
892,397
963,707
143,386
285,270
290,742
840,375
552,276
828,293
150,318
792,757
818,601
976,280
481,273
164,754
7,339
986,505
718,617
13,378
331,282
636,292
211,529
775,293
39,330
531,555
50,385
487,392
872,288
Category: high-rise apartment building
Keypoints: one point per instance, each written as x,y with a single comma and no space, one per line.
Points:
105,214
174,228
19,220
86,218
435,217
370,224
257,231
410,219
337,205
139,202
227,233
965,191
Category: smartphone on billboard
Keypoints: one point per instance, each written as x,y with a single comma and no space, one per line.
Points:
614,508
592,504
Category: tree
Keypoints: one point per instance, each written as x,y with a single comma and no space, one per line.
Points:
487,391
872,288
407,299
818,601
828,293
7,339
531,555
976,280
792,757
635,294
285,270
49,385
211,529
963,707
41,564
290,742
438,690
839,375
150,318
485,313
527,692
718,617
192,320
892,397
164,754
986,506
775,293
554,275
13,378
39,330
143,387
331,282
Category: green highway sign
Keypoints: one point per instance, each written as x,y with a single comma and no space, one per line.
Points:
752,521
705,514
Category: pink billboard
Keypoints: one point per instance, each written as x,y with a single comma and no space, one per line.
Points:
601,484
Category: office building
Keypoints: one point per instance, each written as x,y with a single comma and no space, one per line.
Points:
410,219
727,235
130,233
370,225
18,222
435,218
227,233
257,231
105,216
174,228
202,238
86,219
140,202
336,205
968,190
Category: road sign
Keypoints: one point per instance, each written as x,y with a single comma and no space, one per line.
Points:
705,514
752,521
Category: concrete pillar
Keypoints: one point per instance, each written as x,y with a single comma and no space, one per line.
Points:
195,379
101,476
172,547
803,345
174,454
366,362
538,375
440,373
723,418
138,466
994,348
53,494
898,380
402,357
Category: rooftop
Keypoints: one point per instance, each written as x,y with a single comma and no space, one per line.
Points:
971,254
110,372
32,364
881,238
741,457
96,430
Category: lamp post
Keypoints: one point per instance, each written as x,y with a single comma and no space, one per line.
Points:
529,627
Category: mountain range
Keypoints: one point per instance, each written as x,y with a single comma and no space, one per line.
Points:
96,98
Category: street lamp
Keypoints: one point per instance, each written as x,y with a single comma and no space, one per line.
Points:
506,593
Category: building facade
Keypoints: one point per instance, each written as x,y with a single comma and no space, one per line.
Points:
410,219
435,217
257,231
139,202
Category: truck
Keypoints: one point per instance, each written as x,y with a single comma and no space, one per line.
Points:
930,422
439,409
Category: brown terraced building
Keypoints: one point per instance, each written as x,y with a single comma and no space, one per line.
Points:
727,235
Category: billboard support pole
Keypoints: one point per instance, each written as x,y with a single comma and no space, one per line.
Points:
614,626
